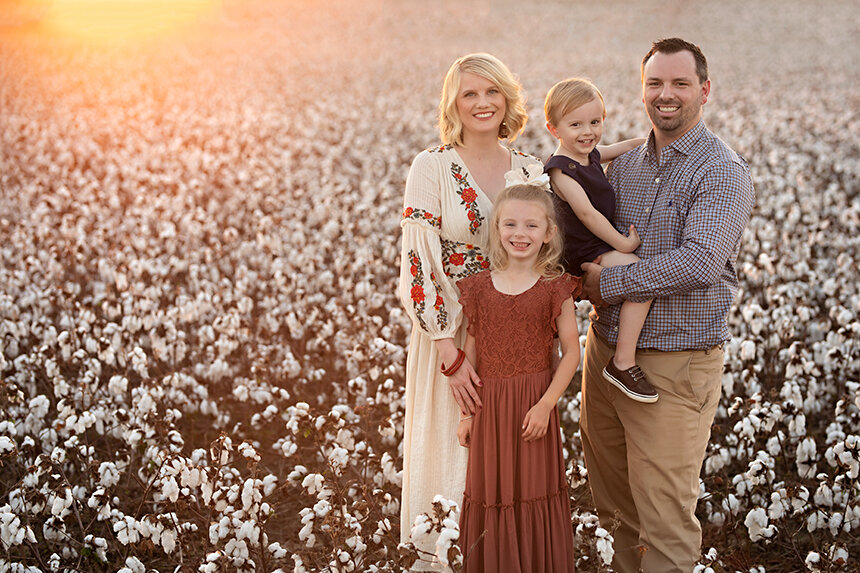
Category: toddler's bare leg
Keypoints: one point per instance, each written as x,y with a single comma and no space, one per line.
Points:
632,317
629,326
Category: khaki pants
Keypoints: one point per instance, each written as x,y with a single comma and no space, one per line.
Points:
644,460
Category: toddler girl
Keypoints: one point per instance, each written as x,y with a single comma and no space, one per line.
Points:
516,508
585,205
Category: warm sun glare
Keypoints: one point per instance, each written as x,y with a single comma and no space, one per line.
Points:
121,20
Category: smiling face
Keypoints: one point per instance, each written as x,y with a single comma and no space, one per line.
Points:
480,105
673,94
579,130
523,229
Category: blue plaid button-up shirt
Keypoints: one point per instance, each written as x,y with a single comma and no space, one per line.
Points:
690,209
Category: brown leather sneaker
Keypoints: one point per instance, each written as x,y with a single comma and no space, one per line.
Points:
631,381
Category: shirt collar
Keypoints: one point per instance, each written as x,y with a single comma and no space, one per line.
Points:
683,144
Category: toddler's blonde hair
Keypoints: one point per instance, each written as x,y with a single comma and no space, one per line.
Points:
548,263
567,95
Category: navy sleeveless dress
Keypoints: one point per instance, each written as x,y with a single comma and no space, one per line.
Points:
580,244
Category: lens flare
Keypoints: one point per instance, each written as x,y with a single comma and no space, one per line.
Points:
122,20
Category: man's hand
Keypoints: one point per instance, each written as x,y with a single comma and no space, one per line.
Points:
591,284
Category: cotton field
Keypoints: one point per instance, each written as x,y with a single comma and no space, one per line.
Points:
201,348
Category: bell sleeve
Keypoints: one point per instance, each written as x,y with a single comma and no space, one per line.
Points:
428,295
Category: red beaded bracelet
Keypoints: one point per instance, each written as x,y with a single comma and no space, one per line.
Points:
449,371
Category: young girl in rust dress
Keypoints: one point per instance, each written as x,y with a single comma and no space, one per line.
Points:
516,509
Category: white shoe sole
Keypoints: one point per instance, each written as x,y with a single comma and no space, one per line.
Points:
627,391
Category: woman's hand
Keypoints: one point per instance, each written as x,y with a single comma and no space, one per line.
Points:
535,422
464,432
463,385
464,381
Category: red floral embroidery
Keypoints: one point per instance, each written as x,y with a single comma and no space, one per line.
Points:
439,305
422,215
468,197
440,148
462,259
418,293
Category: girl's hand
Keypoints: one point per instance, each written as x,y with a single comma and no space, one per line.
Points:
632,241
464,432
535,422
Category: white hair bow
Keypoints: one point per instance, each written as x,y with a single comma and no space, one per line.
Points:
530,175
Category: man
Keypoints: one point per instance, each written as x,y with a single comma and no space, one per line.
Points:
689,196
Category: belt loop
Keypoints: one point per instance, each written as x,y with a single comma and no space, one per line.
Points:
717,347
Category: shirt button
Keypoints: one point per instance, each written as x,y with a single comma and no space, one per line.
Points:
656,180
571,166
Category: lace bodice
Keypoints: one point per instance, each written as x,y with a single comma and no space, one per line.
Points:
514,333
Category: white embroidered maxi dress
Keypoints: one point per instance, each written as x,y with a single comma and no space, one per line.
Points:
445,232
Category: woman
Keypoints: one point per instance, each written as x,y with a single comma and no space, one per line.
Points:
449,198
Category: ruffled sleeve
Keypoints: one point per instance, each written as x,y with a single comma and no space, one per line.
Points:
469,297
428,295
564,287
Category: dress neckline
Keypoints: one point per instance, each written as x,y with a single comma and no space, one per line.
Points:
474,181
495,288
563,157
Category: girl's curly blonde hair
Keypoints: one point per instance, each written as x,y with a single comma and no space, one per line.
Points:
548,263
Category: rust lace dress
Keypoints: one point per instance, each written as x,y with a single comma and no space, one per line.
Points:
516,491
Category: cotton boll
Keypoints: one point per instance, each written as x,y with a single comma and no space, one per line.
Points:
747,350
447,540
170,489
816,520
313,483
757,524
813,560
839,555
7,445
805,458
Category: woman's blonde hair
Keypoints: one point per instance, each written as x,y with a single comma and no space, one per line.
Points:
567,95
492,69
549,257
